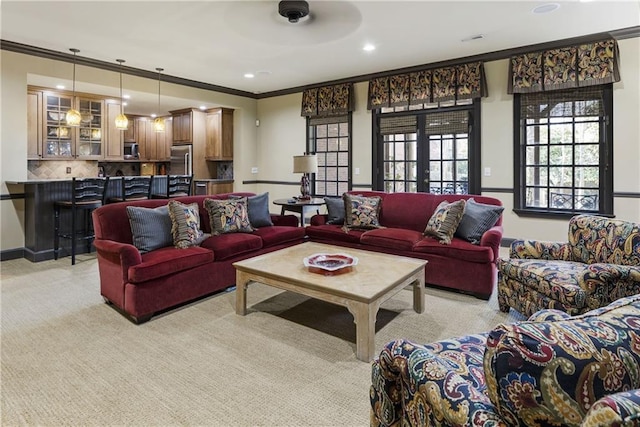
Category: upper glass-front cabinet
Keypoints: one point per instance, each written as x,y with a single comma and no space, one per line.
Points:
64,141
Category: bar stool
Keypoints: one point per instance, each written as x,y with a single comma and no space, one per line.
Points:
133,188
176,186
87,194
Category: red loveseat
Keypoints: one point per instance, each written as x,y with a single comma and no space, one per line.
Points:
140,285
461,265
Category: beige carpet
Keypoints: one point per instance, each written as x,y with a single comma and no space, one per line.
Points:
69,359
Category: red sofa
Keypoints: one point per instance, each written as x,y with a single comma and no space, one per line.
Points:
461,265
140,285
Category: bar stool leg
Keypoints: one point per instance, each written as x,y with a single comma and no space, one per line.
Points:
74,237
56,231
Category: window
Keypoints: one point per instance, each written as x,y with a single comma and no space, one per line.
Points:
330,139
563,152
435,150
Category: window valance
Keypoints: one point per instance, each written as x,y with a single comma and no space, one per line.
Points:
335,100
428,86
587,64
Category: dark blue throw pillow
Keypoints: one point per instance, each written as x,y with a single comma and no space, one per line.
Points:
335,209
258,207
477,218
150,228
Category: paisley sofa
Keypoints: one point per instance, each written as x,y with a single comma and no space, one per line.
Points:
550,370
598,264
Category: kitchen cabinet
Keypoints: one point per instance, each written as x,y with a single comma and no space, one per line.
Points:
60,141
204,187
152,145
114,138
219,134
182,126
34,128
129,135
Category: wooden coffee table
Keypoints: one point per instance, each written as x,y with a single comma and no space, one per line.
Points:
375,279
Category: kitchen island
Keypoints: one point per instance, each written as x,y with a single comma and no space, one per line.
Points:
39,197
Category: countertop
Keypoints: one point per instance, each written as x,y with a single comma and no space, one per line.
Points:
49,180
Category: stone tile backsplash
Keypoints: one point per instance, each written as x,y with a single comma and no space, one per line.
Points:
54,169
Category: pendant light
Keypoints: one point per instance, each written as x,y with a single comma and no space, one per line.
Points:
122,123
73,117
158,123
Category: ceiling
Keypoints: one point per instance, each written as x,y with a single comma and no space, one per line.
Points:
218,42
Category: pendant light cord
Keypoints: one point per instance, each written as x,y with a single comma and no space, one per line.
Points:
75,51
121,102
159,71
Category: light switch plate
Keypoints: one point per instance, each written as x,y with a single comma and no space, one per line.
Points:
487,171
254,169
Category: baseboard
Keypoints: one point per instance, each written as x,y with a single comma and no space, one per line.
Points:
8,254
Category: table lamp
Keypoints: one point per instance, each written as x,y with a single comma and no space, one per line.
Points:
305,164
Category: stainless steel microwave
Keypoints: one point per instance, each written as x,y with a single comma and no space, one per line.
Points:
131,150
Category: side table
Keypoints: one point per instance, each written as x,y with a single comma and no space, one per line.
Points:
298,206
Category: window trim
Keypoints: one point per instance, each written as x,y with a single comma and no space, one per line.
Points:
312,149
605,166
475,145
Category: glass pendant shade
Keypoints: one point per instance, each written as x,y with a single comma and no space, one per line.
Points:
73,117
122,122
158,124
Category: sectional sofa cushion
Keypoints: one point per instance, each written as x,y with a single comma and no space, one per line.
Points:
333,233
150,227
228,216
444,221
361,212
185,224
457,249
476,220
165,261
392,238
272,236
335,210
230,245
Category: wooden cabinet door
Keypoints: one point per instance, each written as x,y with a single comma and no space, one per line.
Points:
57,138
151,152
219,134
182,127
130,135
164,140
34,125
90,135
113,140
141,139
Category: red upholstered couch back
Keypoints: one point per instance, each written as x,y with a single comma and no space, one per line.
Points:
412,210
111,221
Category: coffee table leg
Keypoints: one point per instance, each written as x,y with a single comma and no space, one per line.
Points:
418,294
364,316
241,293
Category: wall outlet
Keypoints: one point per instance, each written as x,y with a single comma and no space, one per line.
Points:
254,169
68,169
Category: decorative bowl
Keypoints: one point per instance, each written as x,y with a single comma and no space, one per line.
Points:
330,264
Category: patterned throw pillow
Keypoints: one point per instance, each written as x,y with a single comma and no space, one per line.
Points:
258,208
228,216
445,220
150,228
361,212
185,224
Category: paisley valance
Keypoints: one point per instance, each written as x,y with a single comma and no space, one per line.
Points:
428,86
325,101
587,64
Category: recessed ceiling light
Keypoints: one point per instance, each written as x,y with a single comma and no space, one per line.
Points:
249,75
59,86
125,96
369,47
124,104
153,116
203,107
546,8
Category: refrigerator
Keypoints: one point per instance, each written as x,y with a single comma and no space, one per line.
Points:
181,160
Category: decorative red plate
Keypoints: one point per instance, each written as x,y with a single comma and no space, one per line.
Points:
330,264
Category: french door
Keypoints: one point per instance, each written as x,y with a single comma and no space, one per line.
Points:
435,151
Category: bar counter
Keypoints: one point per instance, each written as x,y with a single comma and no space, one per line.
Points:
39,197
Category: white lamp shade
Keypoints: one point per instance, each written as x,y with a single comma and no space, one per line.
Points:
305,164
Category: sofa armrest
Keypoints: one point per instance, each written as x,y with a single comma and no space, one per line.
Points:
492,238
615,410
538,249
609,282
284,220
116,255
419,385
319,219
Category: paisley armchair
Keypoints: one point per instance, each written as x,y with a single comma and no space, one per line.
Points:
598,264
551,370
